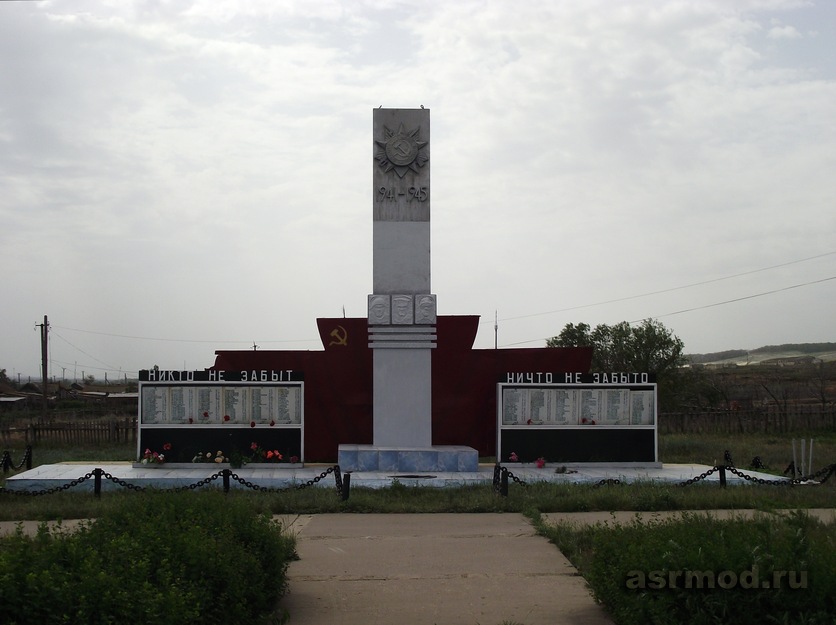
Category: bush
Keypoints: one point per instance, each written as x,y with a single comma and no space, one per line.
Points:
184,558
630,569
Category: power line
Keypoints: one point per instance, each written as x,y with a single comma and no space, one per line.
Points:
675,288
87,367
730,301
212,342
101,362
740,299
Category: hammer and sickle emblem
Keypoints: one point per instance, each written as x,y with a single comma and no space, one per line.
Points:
340,337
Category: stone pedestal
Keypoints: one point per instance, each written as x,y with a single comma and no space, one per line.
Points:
379,458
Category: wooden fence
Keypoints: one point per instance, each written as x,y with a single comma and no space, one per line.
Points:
98,432
760,421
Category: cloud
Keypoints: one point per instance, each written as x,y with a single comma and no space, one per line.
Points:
201,171
783,32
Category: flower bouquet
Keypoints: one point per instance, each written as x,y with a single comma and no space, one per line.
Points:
218,457
153,458
261,455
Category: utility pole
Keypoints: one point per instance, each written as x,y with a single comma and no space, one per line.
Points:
44,352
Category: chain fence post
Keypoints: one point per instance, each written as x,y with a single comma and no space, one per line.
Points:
722,469
7,462
97,482
503,482
29,457
225,474
346,487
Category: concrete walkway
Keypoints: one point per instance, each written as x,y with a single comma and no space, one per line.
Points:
433,569
825,515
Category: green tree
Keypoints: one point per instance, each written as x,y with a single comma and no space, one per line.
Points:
647,347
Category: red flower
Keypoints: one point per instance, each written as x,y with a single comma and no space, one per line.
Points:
272,423
252,424
583,420
205,415
528,422
294,459
191,420
226,417
167,447
254,446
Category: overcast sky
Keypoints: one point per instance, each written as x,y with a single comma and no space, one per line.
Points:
180,177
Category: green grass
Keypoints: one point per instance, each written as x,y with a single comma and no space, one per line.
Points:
612,557
178,557
774,450
533,499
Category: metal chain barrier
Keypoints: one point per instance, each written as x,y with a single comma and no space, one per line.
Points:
699,477
823,473
335,470
48,491
501,475
820,476
501,478
134,487
8,463
342,483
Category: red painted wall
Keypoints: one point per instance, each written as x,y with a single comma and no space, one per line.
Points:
338,382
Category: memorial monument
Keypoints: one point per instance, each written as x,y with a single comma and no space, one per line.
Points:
402,390
402,308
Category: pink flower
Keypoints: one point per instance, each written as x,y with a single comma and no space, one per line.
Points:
540,462
513,457
254,446
294,459
226,417
167,447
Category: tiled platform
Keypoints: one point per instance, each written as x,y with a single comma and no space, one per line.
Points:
443,458
54,475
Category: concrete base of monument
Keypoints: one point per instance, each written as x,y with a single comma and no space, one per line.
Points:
54,476
443,458
217,466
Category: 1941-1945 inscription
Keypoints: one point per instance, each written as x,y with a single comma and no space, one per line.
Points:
401,176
